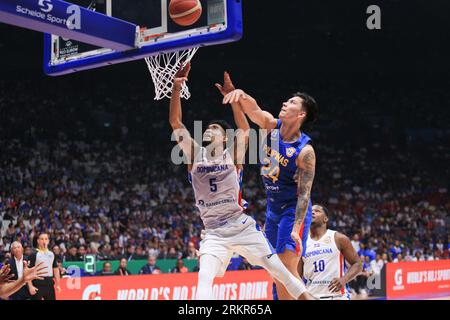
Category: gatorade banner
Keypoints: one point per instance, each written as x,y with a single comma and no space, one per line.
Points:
405,279
236,285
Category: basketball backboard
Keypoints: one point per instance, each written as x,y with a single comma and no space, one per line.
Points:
220,22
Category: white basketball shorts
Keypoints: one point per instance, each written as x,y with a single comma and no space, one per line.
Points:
241,235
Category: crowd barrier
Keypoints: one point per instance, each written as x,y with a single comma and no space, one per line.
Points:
134,266
403,280
235,285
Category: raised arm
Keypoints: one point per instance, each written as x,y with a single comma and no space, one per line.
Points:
241,141
351,256
306,167
262,118
183,137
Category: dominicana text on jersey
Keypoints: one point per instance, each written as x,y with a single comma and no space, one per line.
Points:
207,177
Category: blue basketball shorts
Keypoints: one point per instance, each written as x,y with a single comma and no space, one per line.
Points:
278,229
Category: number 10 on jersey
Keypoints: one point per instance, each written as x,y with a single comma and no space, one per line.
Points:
319,266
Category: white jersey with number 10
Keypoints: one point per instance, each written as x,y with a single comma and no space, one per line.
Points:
321,264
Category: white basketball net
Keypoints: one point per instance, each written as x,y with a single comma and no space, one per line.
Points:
163,68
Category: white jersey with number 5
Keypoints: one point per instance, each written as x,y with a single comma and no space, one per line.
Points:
322,263
217,188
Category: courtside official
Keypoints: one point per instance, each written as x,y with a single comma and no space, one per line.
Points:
45,287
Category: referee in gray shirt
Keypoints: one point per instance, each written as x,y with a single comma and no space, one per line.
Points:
45,288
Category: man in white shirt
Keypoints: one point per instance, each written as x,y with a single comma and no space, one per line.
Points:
374,266
16,263
380,262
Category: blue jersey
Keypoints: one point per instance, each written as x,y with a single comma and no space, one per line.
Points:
278,171
279,167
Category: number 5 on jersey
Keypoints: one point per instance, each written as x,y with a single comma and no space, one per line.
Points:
213,185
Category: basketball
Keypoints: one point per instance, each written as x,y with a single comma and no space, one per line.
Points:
185,12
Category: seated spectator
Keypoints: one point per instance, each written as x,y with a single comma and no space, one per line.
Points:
356,242
191,252
399,258
81,253
71,255
150,267
418,256
163,253
428,255
396,249
105,253
106,269
172,254
180,268
380,262
27,252
139,254
131,253
370,252
122,270
58,254
362,250
371,266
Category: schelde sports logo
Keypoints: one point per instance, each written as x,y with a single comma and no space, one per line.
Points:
398,280
92,292
46,5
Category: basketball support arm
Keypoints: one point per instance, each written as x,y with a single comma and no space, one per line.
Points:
70,21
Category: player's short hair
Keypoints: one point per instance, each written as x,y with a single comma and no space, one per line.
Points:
310,105
325,209
225,125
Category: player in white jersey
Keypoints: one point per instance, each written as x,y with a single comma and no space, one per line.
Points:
215,174
327,255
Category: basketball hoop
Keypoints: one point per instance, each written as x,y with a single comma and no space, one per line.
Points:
163,68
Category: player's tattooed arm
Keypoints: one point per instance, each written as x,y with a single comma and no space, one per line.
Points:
262,118
240,142
181,134
306,167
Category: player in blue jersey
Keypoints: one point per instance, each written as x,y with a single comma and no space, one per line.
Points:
288,172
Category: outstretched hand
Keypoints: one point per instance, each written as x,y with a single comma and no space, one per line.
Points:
35,273
5,275
234,96
182,75
227,86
